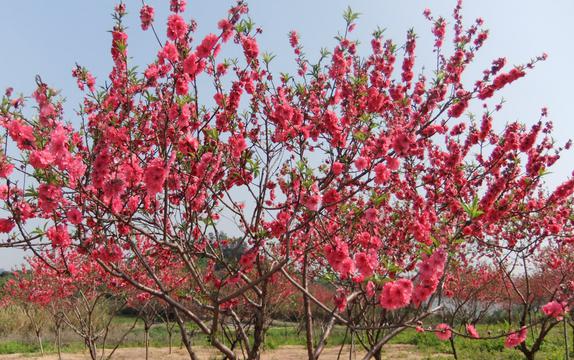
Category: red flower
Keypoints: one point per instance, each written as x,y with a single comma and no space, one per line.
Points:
250,48
154,176
41,159
366,263
382,174
49,196
431,270
204,49
516,338
5,167
362,163
337,168
181,85
472,331
293,39
338,256
74,216
176,27
59,236
341,300
554,309
190,64
22,134
177,5
226,28
443,332
237,145
6,225
119,43
146,16
170,52
396,294
372,214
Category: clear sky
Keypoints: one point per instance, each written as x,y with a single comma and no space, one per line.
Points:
49,37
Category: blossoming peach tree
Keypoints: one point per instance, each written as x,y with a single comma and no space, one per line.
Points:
354,172
526,283
75,292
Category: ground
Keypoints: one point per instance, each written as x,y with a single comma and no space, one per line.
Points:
393,351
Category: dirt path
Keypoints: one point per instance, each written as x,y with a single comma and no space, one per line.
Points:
406,352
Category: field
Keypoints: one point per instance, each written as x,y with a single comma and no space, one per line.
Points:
290,352
283,341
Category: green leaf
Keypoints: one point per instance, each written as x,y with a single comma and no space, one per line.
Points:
378,279
377,34
245,26
285,77
300,89
31,192
472,209
253,166
360,136
212,133
308,183
324,52
377,200
268,57
208,221
301,165
543,172
426,249
350,16
38,231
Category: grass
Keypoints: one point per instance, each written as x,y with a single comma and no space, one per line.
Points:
19,346
13,347
288,335
426,343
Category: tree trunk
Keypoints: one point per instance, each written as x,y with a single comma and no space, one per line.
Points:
184,336
169,330
146,341
169,340
259,328
92,348
378,355
453,347
323,340
59,341
308,314
39,337
255,351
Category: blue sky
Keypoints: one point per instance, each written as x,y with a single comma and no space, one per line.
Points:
49,37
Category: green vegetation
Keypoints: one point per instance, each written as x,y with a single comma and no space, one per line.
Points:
428,344
288,334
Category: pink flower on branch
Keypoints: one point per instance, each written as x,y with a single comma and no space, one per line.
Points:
516,338
443,332
155,175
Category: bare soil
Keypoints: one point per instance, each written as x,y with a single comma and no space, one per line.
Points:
394,351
